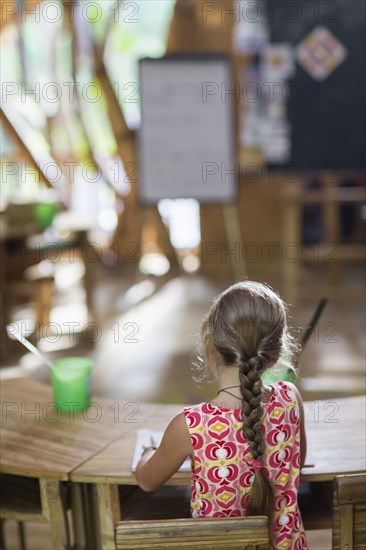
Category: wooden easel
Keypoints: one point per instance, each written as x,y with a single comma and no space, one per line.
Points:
188,32
135,215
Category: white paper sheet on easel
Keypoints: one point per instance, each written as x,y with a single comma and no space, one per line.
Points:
145,438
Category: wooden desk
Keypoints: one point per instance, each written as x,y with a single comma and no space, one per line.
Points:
335,433
44,446
111,468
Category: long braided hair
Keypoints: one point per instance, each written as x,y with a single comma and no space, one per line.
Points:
247,326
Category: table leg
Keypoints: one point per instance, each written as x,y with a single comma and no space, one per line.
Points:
106,513
52,499
78,518
90,517
2,538
21,535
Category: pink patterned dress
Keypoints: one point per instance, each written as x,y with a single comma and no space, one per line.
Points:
222,469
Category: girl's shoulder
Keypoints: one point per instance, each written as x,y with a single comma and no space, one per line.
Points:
206,412
199,408
285,391
285,404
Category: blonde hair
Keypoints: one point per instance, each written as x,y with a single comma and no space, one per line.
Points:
247,326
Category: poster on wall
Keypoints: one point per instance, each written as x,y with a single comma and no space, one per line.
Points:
277,66
326,102
264,123
320,53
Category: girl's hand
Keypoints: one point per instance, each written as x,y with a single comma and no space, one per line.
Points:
148,448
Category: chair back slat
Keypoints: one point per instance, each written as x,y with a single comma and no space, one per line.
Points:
351,488
206,533
349,512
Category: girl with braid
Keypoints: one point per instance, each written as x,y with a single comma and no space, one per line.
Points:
247,445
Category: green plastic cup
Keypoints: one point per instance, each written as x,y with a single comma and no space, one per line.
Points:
44,213
70,377
279,372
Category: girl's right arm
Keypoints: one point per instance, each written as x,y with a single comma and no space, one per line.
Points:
155,468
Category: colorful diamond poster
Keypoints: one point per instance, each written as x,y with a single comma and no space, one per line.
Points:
320,53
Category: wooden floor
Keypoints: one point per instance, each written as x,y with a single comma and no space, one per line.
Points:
149,334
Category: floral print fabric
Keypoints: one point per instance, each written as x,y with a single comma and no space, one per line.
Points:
223,467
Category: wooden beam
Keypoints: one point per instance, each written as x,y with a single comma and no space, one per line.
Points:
9,13
13,124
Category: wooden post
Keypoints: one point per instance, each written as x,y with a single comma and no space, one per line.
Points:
331,218
194,30
12,124
290,229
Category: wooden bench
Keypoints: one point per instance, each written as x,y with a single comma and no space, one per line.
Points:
207,533
349,512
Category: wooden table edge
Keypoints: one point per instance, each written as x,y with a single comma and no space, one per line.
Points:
176,479
14,471
327,476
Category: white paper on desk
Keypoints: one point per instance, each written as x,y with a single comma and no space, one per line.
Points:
144,437
309,460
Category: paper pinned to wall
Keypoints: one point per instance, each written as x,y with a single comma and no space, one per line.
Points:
278,62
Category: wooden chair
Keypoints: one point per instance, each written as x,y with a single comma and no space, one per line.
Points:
349,512
249,533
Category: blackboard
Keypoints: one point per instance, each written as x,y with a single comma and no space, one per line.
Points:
327,120
186,143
